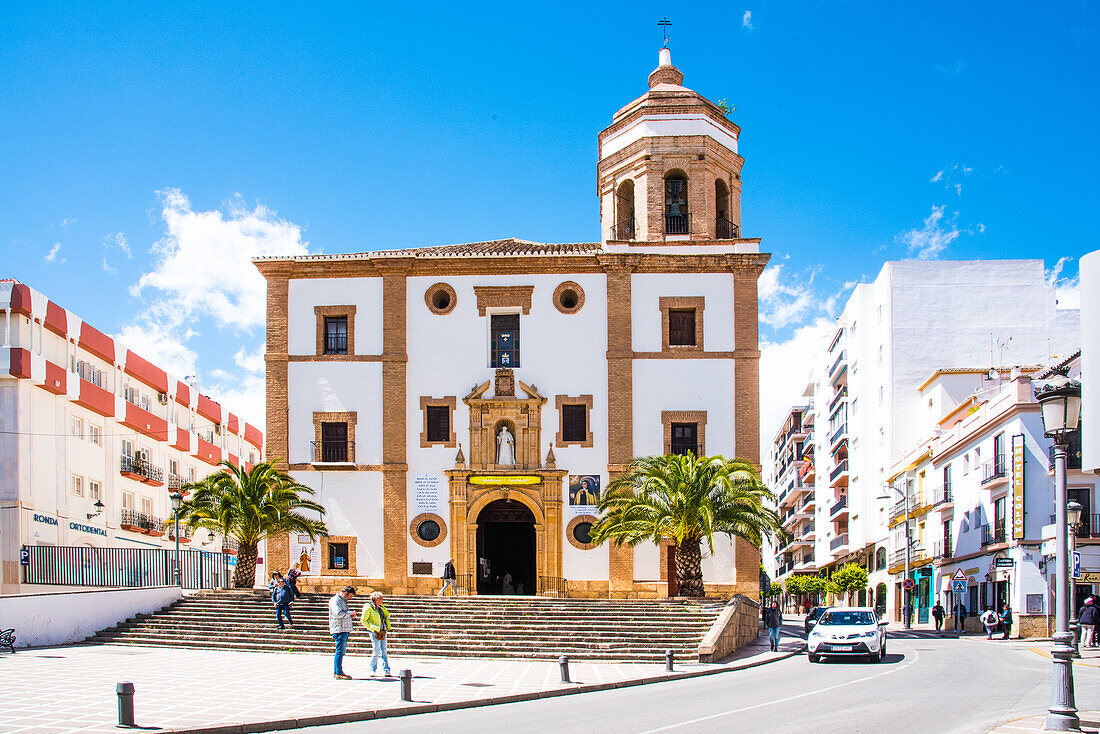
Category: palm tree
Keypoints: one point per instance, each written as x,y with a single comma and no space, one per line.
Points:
250,506
687,499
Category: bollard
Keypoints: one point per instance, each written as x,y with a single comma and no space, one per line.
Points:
125,693
564,663
406,677
668,660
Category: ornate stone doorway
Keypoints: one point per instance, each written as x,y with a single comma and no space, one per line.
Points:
506,549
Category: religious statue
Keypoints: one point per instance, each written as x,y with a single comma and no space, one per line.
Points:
506,448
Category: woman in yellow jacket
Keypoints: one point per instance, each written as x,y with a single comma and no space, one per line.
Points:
376,618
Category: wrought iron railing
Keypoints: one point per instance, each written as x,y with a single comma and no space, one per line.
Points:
843,393
941,495
123,567
992,536
141,467
725,229
843,429
994,469
677,224
336,343
552,586
623,230
175,481
141,522
332,452
230,546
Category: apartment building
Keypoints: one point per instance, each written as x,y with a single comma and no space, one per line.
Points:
914,318
790,471
94,437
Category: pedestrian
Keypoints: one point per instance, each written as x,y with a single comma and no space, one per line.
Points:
1006,621
938,613
376,618
340,624
281,597
773,618
449,578
989,620
960,617
292,579
1088,617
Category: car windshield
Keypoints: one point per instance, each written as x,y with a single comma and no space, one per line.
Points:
847,618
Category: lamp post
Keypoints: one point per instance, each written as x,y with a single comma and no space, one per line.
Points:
907,596
1060,401
177,501
1073,519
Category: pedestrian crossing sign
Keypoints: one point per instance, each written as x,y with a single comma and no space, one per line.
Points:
958,587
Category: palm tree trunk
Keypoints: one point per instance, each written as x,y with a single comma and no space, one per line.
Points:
244,575
689,568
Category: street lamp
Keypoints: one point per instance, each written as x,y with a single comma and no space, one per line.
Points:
1060,402
177,501
1073,519
907,596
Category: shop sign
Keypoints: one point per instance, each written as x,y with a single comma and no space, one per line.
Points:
82,528
505,479
1018,486
1003,562
45,519
1090,577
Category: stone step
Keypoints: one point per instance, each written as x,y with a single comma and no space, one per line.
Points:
297,633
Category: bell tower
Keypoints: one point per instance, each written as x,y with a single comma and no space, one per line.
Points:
669,169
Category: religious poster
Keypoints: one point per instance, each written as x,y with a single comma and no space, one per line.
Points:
306,553
584,490
428,494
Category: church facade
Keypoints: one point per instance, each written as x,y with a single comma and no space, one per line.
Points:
473,401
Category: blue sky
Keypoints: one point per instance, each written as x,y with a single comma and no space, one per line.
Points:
153,150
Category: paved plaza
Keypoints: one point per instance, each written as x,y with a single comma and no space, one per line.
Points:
72,689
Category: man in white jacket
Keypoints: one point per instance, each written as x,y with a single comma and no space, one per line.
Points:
340,621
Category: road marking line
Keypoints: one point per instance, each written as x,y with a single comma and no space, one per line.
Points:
916,656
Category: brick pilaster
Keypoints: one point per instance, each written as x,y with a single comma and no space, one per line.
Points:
394,434
746,410
620,409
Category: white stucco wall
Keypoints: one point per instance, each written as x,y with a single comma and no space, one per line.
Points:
646,291
1090,357
353,502
305,293
72,616
336,387
675,384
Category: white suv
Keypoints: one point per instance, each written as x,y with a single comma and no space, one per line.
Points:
847,632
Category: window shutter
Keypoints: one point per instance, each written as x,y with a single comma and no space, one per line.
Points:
439,423
681,328
574,419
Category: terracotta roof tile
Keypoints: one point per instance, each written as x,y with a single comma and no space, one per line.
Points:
493,248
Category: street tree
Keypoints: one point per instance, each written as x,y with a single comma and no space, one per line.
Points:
687,499
848,579
251,506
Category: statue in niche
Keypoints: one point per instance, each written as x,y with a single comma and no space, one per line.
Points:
506,448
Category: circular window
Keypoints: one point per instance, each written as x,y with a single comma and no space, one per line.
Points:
579,532
428,530
568,297
440,299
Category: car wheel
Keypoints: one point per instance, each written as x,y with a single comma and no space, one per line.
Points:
814,658
877,657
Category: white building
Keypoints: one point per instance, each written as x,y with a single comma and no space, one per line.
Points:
93,437
472,401
916,317
791,475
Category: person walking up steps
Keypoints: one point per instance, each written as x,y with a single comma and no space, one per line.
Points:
376,618
340,624
449,578
281,596
773,618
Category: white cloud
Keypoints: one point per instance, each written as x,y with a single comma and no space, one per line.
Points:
253,362
52,255
1067,291
784,371
244,396
163,346
108,269
959,189
937,177
784,300
746,20
929,241
67,221
203,264
118,241
954,69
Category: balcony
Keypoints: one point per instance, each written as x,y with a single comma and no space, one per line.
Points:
678,223
838,477
332,452
230,546
139,469
784,568
839,507
942,551
838,542
993,535
1073,457
725,229
838,399
994,470
941,497
185,532
806,560
807,472
137,522
839,434
623,230
839,360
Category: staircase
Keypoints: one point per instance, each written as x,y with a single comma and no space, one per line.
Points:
473,626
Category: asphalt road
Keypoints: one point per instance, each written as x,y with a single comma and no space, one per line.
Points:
925,685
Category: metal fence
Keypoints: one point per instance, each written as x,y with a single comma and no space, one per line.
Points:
123,567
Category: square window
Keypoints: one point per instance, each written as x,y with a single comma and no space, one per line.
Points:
336,335
504,346
685,438
338,556
681,327
439,423
95,434
574,423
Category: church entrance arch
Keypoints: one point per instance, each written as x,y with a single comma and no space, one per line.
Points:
506,549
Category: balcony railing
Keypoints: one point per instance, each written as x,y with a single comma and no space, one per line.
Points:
185,532
1073,456
725,229
623,230
837,398
788,566
840,469
843,429
139,522
332,452
839,505
941,495
993,469
992,536
175,481
839,359
142,468
677,224
839,541
807,558
230,546
942,549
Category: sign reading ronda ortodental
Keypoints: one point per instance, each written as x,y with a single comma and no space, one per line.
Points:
1018,486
